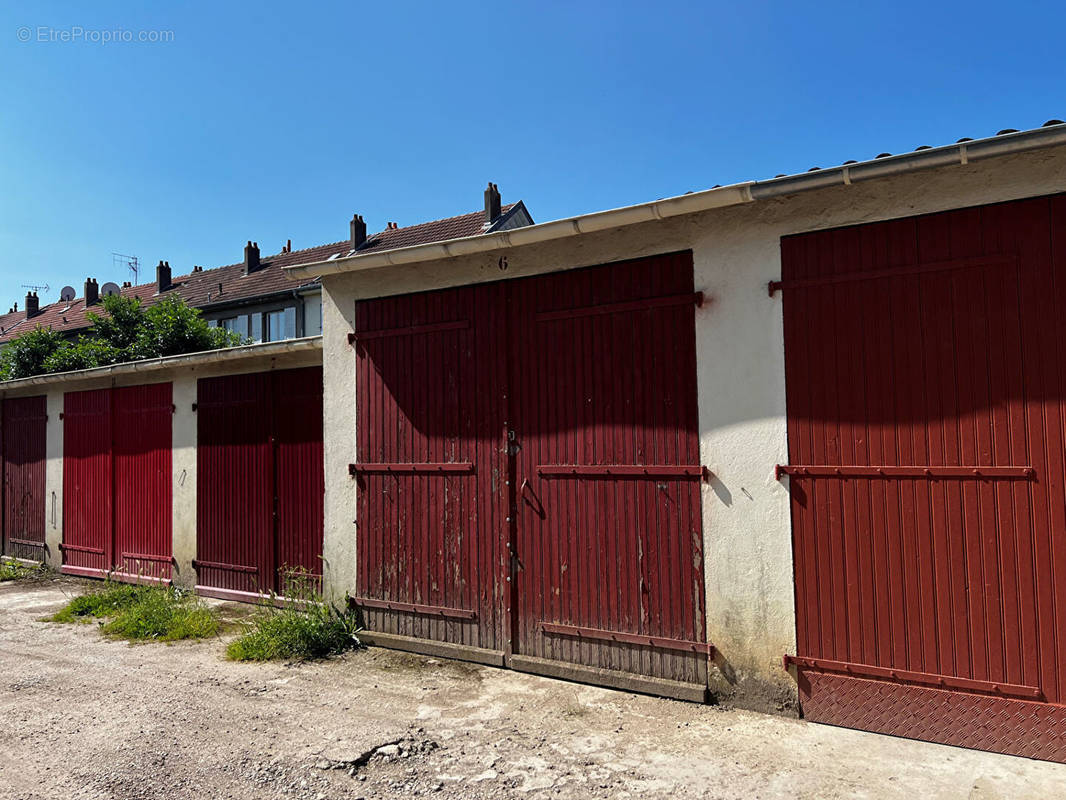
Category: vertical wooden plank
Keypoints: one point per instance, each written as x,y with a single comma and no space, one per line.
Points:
964,235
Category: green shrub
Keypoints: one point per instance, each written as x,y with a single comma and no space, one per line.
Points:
143,612
303,628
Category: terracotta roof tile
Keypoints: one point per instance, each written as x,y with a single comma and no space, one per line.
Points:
217,287
13,320
437,231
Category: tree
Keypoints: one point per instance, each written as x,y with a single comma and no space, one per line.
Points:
170,327
126,332
85,353
120,326
26,354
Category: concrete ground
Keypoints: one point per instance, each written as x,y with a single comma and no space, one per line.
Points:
84,717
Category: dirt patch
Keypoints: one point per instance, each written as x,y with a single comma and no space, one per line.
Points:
89,718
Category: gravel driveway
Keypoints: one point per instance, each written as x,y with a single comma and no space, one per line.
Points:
84,717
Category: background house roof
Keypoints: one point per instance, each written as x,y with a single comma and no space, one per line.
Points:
436,231
221,286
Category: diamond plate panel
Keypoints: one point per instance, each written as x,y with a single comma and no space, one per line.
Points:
982,722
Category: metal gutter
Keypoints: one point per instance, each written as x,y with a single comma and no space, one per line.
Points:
267,349
734,195
259,299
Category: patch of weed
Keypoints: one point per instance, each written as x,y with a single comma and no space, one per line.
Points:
165,614
304,627
105,601
11,570
143,612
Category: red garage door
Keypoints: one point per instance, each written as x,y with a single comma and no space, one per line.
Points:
24,424
259,481
529,473
432,478
117,516
925,426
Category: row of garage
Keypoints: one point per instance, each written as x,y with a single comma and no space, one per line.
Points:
259,488
646,472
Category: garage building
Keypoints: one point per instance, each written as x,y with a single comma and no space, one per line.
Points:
798,443
798,439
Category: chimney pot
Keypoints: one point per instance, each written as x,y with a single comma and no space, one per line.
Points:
251,258
162,276
492,202
92,292
33,305
358,231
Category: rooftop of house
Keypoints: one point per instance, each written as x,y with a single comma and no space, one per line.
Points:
246,281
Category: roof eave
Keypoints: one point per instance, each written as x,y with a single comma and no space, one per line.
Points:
557,229
169,362
695,202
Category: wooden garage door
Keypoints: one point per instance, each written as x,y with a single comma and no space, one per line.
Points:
24,431
117,515
610,550
529,478
260,484
926,447
431,476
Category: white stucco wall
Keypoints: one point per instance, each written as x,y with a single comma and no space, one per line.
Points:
741,384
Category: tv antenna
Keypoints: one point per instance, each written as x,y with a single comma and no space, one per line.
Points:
129,262
37,287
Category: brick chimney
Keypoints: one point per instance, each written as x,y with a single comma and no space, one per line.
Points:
251,257
162,276
358,229
33,305
492,202
92,292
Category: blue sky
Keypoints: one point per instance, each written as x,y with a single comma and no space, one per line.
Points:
279,120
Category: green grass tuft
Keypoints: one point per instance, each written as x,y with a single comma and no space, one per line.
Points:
105,601
166,615
143,612
304,628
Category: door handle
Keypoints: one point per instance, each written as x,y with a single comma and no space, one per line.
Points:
526,492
